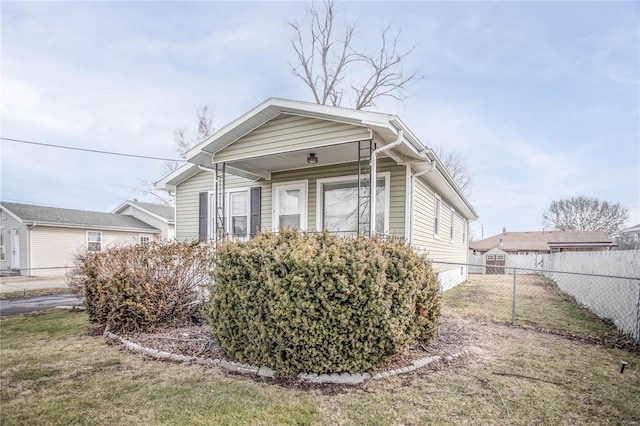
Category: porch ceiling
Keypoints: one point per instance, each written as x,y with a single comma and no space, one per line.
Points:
292,160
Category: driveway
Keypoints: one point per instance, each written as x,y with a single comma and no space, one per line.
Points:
22,305
11,284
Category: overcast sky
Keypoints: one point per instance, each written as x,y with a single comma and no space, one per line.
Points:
541,98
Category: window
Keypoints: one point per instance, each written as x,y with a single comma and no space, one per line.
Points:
464,231
436,219
239,207
290,205
94,241
338,205
452,224
145,240
235,215
2,250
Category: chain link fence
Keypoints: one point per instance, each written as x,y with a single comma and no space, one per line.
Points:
582,304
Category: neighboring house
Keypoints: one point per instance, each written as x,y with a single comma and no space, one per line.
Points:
39,240
634,232
542,242
300,165
158,216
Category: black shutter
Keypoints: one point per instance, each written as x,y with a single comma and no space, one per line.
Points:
254,225
202,216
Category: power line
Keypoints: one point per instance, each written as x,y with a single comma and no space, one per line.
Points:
97,151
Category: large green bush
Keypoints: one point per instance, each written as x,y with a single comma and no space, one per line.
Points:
320,304
144,286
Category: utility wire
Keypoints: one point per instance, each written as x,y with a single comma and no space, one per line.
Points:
92,150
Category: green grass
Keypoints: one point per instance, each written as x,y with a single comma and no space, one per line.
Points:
54,370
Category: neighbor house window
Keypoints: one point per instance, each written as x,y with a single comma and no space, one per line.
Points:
2,255
94,241
338,205
436,219
145,240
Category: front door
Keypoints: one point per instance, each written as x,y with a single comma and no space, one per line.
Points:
15,248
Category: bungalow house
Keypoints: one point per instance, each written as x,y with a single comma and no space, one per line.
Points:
299,165
39,240
156,215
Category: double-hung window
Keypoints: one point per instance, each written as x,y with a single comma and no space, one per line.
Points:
436,219
236,212
452,224
239,213
338,210
94,240
2,249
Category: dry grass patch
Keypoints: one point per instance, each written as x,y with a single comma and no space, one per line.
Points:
55,371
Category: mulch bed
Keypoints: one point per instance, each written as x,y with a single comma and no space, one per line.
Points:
195,341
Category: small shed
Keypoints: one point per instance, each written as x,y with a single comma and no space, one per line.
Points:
496,260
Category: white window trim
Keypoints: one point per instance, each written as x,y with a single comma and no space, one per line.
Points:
350,178
452,226
437,213
211,217
303,186
87,239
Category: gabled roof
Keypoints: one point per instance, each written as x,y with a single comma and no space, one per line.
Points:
387,128
164,213
543,240
30,214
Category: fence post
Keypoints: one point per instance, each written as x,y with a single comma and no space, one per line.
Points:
513,301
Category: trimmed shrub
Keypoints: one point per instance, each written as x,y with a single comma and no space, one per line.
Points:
317,303
138,288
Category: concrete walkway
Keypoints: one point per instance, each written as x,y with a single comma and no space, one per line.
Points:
9,284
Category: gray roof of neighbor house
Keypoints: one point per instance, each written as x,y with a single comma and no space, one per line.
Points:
55,216
165,212
543,240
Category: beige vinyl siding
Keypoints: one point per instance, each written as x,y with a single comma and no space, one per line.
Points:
423,222
56,247
290,133
187,201
396,193
187,195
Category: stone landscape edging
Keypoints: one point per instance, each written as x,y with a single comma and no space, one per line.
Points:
335,378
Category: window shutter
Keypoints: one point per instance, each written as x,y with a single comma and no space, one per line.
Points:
255,211
202,216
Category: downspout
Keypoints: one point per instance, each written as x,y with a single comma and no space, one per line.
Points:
372,183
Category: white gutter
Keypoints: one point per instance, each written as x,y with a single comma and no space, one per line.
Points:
372,183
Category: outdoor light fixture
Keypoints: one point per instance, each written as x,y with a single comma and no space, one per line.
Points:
312,159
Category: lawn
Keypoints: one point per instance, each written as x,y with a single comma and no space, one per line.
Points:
54,369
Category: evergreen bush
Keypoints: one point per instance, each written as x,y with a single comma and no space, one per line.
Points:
317,303
141,287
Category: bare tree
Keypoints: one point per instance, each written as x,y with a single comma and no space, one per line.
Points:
148,189
184,140
583,213
324,59
457,167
